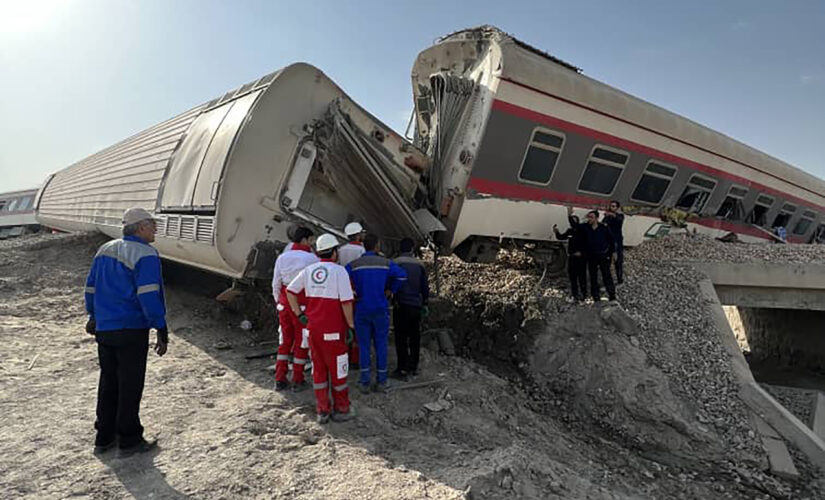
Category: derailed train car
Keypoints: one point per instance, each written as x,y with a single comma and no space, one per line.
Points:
227,179
516,136
17,215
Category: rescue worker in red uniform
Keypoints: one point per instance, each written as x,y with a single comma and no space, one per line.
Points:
328,317
294,338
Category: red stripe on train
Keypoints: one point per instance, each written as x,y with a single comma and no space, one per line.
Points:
611,140
523,192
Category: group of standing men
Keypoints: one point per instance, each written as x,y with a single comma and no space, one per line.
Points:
592,246
334,304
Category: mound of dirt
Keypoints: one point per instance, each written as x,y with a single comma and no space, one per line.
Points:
590,360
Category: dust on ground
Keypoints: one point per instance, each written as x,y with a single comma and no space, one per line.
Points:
496,422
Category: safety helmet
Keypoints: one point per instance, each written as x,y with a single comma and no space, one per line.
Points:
353,228
325,242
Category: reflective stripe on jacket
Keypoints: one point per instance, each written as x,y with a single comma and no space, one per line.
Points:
371,275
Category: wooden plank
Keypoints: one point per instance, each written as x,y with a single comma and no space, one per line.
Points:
785,423
818,415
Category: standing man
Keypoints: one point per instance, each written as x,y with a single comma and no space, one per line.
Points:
599,247
346,254
614,218
329,320
410,308
355,247
294,338
375,279
124,299
576,260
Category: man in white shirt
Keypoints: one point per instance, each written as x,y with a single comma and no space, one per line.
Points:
355,247
294,338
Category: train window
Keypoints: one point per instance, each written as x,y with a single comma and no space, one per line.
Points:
25,203
696,194
541,156
759,214
784,216
12,206
804,223
733,208
603,170
2,205
654,183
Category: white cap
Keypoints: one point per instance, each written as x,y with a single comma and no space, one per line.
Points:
325,242
136,214
353,228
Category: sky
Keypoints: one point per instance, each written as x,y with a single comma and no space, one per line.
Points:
79,75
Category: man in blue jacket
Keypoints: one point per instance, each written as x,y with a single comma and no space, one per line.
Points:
410,308
124,299
374,279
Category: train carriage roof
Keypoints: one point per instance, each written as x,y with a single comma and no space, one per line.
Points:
537,69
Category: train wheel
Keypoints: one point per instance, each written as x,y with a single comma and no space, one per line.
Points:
552,256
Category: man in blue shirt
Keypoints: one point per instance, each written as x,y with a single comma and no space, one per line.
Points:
410,307
374,280
124,299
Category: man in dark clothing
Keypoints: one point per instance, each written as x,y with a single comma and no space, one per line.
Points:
124,299
599,247
410,307
576,260
614,218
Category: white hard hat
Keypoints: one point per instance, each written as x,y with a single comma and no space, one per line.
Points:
353,228
136,214
325,242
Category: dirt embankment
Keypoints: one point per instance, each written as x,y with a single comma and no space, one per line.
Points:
549,400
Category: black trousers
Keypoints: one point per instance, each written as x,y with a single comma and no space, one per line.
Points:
619,263
577,272
406,322
600,264
122,357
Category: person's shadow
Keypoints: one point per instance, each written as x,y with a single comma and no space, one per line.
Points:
140,476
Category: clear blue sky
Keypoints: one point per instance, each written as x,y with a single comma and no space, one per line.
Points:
78,75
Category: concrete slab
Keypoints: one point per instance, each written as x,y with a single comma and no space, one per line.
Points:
818,415
781,463
728,338
785,423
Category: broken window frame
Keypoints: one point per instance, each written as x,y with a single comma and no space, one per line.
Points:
659,175
807,216
789,210
760,202
546,147
606,163
737,204
697,187
819,234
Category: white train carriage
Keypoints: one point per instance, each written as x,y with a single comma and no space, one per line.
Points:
516,136
228,178
17,213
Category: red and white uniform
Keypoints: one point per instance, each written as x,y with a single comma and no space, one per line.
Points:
349,252
294,338
327,287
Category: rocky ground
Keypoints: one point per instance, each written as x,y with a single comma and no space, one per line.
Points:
547,399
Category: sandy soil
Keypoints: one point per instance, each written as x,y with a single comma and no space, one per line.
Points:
224,432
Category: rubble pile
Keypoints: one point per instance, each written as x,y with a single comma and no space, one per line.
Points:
697,247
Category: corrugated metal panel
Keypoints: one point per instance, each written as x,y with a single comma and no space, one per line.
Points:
99,188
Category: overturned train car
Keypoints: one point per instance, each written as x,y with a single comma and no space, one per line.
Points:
516,136
229,178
